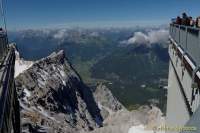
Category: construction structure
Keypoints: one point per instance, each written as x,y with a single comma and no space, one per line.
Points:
9,104
183,111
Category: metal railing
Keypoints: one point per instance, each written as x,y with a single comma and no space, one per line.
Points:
189,39
3,46
9,106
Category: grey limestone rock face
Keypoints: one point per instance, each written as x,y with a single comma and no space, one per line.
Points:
107,103
53,98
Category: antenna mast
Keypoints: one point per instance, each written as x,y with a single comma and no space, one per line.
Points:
3,15
4,19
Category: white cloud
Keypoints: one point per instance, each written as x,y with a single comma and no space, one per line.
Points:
151,37
139,38
60,34
160,36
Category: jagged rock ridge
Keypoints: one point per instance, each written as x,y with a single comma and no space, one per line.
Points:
54,98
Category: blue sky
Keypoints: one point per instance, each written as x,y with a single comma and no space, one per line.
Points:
22,14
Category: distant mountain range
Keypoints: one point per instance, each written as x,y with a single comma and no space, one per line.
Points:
135,74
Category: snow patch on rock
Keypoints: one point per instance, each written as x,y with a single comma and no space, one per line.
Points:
20,64
139,129
27,92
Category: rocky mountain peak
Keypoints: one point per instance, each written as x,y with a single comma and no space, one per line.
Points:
53,98
58,57
51,92
54,58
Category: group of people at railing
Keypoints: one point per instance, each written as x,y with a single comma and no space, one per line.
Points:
186,20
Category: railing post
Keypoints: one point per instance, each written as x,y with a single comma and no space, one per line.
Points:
186,47
1,50
174,31
179,30
198,63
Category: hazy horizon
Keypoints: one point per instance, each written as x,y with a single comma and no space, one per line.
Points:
91,13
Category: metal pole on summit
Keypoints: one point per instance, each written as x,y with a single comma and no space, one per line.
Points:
4,23
3,15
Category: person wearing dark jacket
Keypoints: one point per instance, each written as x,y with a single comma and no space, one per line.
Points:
184,19
178,20
191,21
